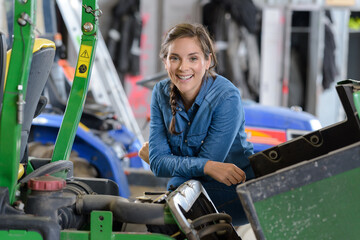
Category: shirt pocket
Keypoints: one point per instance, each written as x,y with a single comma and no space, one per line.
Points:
174,143
195,142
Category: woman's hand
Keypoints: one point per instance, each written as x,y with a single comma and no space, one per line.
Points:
144,152
226,173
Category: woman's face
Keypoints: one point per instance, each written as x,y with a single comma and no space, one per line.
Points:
186,66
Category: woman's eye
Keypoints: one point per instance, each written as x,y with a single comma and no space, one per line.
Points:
173,58
193,59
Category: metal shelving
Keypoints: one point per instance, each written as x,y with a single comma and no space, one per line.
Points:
276,44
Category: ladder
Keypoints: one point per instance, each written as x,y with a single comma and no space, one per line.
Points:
105,84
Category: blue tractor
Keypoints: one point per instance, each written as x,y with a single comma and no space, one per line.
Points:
268,126
92,155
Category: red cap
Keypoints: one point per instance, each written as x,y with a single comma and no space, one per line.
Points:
46,183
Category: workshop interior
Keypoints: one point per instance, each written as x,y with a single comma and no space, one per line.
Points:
76,82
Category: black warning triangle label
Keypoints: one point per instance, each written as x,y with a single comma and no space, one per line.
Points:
84,54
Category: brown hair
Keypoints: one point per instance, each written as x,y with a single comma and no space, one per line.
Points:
206,44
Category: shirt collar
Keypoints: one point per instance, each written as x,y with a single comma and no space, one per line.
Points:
166,87
205,86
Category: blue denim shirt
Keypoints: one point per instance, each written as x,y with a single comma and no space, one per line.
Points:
212,129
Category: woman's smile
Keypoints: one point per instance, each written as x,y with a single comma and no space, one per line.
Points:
185,78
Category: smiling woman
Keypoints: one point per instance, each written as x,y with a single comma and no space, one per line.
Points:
186,66
197,122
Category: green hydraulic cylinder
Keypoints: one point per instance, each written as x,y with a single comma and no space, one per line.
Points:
356,93
15,93
73,112
356,96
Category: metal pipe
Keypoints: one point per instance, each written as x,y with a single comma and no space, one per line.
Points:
123,210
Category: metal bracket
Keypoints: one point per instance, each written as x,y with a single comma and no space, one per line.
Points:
96,13
100,225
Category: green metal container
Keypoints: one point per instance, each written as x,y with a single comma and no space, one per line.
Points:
316,199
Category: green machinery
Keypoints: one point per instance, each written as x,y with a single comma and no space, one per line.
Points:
15,91
48,202
307,188
14,96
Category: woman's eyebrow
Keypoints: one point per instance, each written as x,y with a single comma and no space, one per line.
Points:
194,53
190,54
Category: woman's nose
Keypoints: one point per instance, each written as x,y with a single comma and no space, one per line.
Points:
183,65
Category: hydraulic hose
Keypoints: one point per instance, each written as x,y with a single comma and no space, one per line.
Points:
51,168
123,210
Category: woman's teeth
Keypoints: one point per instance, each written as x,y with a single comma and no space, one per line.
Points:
185,77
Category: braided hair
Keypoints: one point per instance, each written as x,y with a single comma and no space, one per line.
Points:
189,30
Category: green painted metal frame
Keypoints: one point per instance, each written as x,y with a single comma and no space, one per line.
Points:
101,228
15,93
72,115
19,235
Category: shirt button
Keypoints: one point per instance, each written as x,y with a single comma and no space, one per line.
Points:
186,140
189,123
180,109
202,142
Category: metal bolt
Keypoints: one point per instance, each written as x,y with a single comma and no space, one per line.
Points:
88,27
21,22
314,139
273,155
88,9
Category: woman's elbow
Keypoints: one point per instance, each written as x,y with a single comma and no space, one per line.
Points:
154,166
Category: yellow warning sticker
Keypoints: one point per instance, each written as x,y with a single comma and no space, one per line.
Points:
82,68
